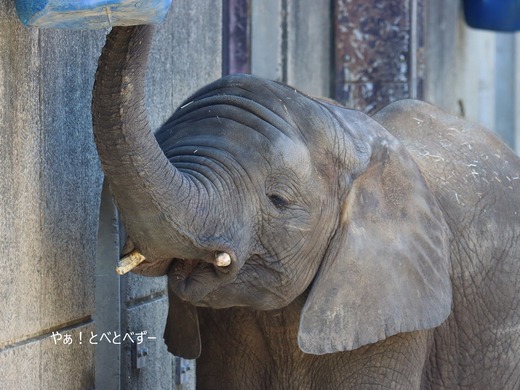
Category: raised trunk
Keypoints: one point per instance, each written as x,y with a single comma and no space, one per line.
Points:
151,194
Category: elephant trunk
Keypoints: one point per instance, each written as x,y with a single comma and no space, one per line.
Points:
151,194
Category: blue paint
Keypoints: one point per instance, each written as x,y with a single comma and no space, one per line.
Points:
90,14
496,15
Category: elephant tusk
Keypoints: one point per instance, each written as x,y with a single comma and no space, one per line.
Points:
129,262
223,259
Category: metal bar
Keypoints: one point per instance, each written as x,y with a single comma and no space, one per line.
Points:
236,37
372,58
413,49
107,295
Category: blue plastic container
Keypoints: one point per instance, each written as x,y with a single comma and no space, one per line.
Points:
496,15
90,14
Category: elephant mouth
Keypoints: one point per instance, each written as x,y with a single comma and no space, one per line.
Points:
152,268
194,280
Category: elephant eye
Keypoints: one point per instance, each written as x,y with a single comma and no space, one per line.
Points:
278,201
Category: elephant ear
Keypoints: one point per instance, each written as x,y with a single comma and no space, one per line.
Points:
386,268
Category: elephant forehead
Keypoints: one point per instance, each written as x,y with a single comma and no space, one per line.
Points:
294,156
281,155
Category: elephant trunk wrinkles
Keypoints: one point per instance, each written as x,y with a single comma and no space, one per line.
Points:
151,194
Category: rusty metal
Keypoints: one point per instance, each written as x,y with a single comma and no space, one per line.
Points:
378,51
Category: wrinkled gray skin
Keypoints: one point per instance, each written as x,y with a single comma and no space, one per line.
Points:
366,252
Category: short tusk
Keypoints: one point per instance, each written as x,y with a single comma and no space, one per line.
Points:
223,259
129,262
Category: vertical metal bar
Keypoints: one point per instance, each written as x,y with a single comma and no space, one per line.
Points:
225,37
505,88
413,49
107,295
182,370
516,100
284,39
236,35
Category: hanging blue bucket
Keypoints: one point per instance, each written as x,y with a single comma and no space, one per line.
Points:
90,14
496,15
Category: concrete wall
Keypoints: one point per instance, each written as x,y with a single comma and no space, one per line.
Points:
291,42
55,278
473,73
49,190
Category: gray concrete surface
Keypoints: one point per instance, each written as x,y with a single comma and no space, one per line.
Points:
50,185
291,42
49,189
473,73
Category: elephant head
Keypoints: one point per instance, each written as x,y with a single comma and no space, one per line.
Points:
253,194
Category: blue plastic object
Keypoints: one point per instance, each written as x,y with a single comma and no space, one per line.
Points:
90,14
496,15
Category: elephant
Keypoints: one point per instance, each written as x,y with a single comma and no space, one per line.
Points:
311,246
